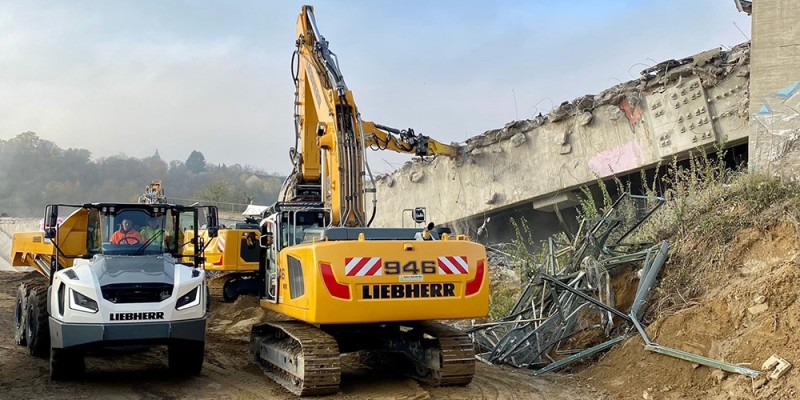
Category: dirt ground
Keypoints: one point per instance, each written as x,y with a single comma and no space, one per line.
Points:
749,312
227,373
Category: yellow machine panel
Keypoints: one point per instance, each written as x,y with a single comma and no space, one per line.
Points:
341,282
234,250
32,249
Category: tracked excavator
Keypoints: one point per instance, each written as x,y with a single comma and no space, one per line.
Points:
346,286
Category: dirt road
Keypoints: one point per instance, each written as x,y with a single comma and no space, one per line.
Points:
227,373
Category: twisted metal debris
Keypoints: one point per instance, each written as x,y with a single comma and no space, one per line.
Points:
572,300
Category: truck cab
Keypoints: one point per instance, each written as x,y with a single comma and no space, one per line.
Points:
115,274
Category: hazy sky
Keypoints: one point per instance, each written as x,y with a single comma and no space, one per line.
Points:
135,76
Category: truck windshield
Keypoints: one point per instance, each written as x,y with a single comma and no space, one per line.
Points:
131,232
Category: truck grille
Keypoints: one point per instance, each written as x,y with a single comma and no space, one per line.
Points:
121,293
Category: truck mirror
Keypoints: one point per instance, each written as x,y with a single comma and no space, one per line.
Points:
50,221
212,221
266,240
419,215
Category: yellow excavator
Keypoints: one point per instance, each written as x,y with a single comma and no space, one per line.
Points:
346,286
153,193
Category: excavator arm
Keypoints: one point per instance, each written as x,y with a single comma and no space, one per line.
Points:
331,137
380,137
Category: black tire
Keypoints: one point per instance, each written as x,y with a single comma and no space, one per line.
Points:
186,357
37,327
20,314
66,364
230,290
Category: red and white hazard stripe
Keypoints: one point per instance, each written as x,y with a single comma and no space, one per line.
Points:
221,249
363,266
453,265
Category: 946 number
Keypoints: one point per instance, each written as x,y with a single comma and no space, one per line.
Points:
410,268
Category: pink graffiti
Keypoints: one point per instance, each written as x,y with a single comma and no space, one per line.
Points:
627,157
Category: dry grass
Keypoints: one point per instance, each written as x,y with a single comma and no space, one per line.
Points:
706,204
702,230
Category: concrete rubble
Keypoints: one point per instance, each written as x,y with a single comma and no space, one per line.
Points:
710,66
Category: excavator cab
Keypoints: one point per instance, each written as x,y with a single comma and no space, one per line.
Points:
290,225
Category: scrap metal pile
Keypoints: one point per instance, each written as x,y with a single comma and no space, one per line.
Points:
568,310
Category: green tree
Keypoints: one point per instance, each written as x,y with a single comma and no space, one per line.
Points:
35,171
196,162
216,191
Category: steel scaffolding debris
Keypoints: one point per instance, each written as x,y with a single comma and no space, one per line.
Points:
568,310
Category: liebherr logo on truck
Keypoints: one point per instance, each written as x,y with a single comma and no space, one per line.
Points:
136,316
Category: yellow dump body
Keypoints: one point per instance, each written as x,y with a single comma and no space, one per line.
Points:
27,247
33,250
234,250
378,281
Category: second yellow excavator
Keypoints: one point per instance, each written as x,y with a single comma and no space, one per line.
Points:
347,286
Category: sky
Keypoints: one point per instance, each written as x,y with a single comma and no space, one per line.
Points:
133,77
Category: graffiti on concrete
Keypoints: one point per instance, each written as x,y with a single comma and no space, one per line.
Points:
779,117
623,158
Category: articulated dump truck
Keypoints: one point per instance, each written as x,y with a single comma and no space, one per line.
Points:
104,283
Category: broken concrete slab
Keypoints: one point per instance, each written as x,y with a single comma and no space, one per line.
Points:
777,365
758,309
585,118
518,139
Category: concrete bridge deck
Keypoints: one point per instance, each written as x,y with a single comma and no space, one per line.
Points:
675,107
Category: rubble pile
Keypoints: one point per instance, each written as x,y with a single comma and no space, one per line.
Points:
745,314
575,306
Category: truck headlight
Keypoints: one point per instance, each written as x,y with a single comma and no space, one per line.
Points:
188,300
83,303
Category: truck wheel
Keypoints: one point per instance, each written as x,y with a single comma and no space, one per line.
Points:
37,328
66,364
230,290
20,313
186,357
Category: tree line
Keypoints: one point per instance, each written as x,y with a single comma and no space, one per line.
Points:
35,172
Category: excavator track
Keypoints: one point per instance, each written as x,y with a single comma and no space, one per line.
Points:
456,363
298,356
429,352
